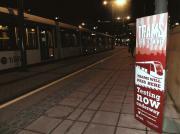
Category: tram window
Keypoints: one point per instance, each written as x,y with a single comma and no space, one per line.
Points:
46,38
159,68
65,40
31,36
110,41
50,39
100,41
86,39
89,40
94,41
7,38
75,39
43,39
152,68
71,40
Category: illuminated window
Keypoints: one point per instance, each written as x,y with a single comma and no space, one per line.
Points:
31,38
7,37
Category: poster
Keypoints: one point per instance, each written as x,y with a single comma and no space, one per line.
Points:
151,43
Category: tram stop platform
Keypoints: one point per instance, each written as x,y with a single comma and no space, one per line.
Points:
98,99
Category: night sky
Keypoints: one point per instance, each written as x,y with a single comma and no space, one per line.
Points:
77,11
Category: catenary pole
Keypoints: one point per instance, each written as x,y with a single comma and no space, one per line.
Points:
161,6
21,39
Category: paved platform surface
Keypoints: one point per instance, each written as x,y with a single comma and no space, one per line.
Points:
99,100
37,76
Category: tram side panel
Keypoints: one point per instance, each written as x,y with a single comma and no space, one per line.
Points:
9,53
40,43
70,41
32,44
47,43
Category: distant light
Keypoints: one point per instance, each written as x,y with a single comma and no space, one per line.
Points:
80,26
43,32
177,23
56,18
93,34
32,30
105,2
128,17
83,24
118,18
99,21
95,27
29,10
120,2
1,26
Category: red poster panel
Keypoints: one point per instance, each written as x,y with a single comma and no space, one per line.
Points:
151,40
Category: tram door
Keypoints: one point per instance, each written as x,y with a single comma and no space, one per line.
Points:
46,44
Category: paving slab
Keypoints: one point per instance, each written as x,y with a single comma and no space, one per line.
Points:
63,127
111,107
59,112
121,130
77,128
128,121
94,105
70,102
84,104
75,114
108,118
87,116
27,132
114,99
44,125
99,129
128,109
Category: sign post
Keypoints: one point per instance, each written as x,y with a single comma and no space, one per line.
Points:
151,43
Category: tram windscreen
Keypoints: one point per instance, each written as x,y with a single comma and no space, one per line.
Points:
159,68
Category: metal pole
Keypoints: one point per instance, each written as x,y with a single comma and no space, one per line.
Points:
161,6
21,39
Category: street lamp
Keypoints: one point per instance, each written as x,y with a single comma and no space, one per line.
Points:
177,23
124,18
56,18
115,2
105,2
118,18
95,27
83,24
80,26
120,2
128,17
